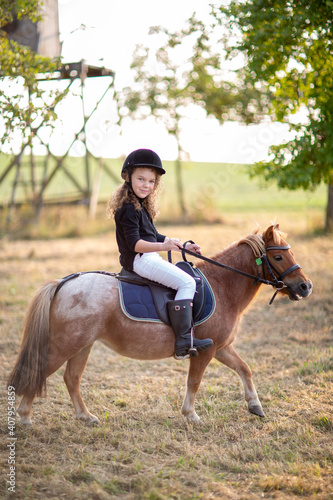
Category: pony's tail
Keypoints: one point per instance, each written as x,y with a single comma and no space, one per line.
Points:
28,376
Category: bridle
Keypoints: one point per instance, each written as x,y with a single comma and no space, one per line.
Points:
277,278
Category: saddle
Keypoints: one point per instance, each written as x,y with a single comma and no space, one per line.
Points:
145,300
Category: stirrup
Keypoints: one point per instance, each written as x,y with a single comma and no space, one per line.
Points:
192,351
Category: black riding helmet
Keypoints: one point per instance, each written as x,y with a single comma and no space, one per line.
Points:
142,158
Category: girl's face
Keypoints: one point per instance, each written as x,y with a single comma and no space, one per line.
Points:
143,181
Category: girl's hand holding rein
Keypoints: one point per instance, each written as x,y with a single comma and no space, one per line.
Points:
172,244
175,244
194,248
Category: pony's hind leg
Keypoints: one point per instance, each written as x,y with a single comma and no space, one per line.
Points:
72,377
229,357
24,410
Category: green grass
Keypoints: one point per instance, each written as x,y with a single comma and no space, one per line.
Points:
229,187
225,186
213,192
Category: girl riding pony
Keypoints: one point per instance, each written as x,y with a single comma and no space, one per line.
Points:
134,207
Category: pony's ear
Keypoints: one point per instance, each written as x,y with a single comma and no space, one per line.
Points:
268,235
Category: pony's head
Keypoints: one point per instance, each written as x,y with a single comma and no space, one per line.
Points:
283,265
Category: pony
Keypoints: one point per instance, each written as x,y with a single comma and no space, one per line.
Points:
63,326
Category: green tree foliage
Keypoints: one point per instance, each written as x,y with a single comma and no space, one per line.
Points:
19,64
288,52
21,8
209,84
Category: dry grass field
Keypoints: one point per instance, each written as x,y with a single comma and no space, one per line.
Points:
143,448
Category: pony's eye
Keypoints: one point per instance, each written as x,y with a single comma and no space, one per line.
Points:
278,257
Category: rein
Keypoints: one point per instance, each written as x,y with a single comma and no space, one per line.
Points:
276,282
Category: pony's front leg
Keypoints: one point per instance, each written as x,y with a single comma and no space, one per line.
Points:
72,377
229,357
194,377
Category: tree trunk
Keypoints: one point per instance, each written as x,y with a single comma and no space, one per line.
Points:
329,210
180,189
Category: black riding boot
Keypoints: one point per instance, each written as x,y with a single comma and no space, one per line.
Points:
180,314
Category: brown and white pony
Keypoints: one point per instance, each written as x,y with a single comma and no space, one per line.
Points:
63,327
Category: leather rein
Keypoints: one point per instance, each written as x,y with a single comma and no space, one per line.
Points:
276,279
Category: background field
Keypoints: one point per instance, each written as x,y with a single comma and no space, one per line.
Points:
143,448
213,192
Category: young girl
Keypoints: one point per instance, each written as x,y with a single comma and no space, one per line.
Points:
134,208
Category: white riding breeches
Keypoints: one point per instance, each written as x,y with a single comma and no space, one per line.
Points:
153,267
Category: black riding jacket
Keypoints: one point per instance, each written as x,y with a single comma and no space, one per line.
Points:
133,225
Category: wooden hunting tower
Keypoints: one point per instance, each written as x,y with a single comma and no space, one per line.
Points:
29,179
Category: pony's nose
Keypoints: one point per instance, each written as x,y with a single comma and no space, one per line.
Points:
305,288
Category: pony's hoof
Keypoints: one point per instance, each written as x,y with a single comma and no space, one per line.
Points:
26,421
89,419
193,418
256,410
94,421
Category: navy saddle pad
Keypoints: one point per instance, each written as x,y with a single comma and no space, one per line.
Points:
145,300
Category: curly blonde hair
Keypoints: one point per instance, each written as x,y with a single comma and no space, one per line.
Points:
125,194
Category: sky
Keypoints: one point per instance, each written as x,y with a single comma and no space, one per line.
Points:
105,33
